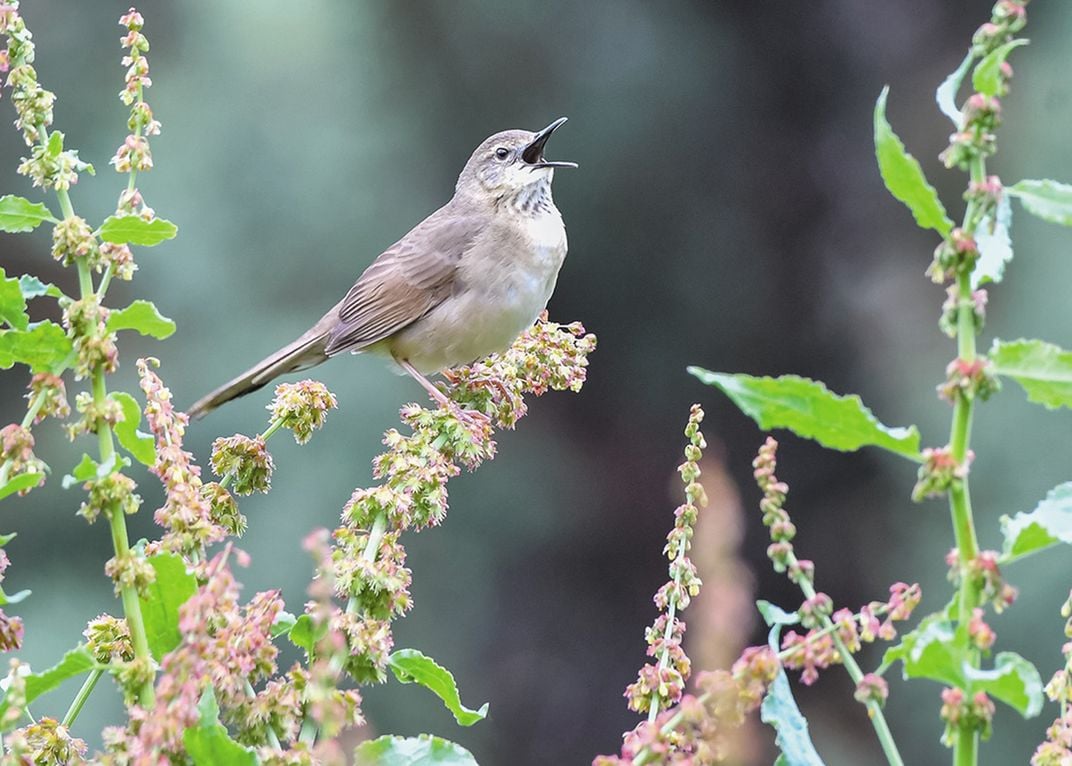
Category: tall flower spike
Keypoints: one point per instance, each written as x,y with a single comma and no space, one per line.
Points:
661,682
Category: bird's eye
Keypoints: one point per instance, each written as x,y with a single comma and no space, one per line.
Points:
502,153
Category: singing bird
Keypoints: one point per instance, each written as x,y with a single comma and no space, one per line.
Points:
464,283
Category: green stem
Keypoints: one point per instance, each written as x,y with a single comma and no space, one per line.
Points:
966,745
106,444
874,709
379,527
82,696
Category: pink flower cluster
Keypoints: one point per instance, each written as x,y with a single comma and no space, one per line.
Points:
187,513
134,153
11,628
1056,750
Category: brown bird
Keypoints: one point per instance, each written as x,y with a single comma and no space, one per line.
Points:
464,283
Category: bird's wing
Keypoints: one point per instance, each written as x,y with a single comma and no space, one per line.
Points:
408,280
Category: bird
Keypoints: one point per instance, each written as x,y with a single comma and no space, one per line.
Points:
462,284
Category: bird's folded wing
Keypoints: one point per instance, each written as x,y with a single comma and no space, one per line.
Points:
407,281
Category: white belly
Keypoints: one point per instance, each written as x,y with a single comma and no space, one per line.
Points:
500,295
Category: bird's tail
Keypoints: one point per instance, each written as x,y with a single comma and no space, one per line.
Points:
307,351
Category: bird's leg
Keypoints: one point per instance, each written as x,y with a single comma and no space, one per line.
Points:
473,418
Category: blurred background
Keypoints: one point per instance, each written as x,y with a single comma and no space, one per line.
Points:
727,212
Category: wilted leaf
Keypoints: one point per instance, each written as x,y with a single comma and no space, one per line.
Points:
807,408
904,177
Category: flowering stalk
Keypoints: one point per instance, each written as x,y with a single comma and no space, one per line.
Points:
1056,750
50,166
945,471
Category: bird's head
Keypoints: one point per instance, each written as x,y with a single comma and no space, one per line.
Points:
510,162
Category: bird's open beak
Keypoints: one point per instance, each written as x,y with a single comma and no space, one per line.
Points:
533,154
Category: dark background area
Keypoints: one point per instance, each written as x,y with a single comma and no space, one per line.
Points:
727,212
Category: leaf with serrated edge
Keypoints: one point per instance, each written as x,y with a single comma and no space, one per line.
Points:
32,287
411,666
21,482
143,317
135,230
946,95
77,661
424,750
40,347
1013,680
987,75
994,245
809,409
18,215
904,177
1049,200
1042,369
141,446
161,600
1047,525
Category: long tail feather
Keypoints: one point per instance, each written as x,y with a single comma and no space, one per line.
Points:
307,351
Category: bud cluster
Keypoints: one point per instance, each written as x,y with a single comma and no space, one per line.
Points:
939,472
11,628
51,394
134,153
302,407
971,380
947,323
94,345
963,714
985,577
17,455
48,165
661,681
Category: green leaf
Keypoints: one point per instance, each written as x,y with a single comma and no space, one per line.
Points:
995,246
1049,200
75,662
1049,524
41,347
411,666
32,287
209,744
424,750
18,215
305,634
779,709
931,651
135,230
904,177
1013,680
283,624
21,482
14,598
141,446
83,472
143,317
12,302
161,601
946,95
807,408
1042,369
987,75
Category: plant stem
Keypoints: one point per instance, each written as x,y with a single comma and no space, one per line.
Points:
106,444
874,709
82,696
671,612
966,745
